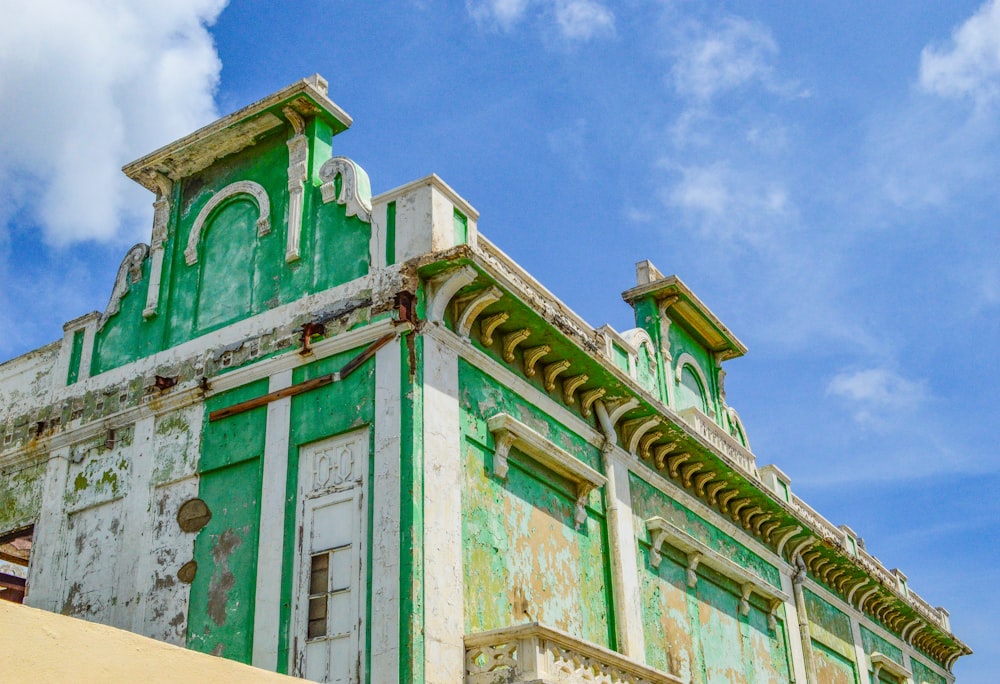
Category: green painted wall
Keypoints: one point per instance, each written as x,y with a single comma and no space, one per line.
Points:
699,632
220,618
238,273
923,674
681,341
649,502
325,412
873,643
525,559
832,639
76,353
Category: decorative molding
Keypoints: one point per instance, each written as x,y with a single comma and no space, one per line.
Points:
161,223
245,187
535,653
571,385
880,662
532,356
661,452
470,313
298,169
686,359
621,408
129,271
445,286
489,324
509,432
355,188
697,553
636,428
551,371
511,340
588,398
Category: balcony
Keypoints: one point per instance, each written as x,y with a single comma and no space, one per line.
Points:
535,654
723,442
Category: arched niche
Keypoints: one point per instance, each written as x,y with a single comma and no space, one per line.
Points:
228,251
693,387
254,192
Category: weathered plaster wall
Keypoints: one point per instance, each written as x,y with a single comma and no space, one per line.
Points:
526,559
834,657
699,633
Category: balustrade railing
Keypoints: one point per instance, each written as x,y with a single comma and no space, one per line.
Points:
535,653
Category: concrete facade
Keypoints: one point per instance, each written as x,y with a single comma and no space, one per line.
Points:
347,438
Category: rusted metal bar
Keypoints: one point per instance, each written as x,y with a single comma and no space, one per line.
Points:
302,387
366,354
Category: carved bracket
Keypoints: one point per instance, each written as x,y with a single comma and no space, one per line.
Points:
509,432
470,313
355,188
697,553
130,271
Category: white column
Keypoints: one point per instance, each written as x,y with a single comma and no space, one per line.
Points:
48,556
386,516
792,629
625,568
270,540
444,624
129,611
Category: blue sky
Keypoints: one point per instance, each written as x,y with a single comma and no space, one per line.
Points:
822,174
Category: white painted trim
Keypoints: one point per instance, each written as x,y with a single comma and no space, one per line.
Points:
792,633
444,621
136,526
624,564
271,535
665,532
355,188
47,567
385,533
516,384
244,187
509,432
443,288
298,160
161,223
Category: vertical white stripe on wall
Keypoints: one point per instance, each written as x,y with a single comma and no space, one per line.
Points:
270,542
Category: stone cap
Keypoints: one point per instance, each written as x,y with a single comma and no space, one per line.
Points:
239,130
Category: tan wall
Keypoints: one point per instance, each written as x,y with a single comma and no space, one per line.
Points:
45,647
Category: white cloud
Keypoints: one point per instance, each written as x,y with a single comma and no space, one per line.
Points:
584,19
502,13
86,86
575,20
718,59
729,204
969,66
877,396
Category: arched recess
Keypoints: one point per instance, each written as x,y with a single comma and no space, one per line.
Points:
255,191
693,387
226,278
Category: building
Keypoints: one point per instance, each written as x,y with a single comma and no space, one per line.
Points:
348,438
